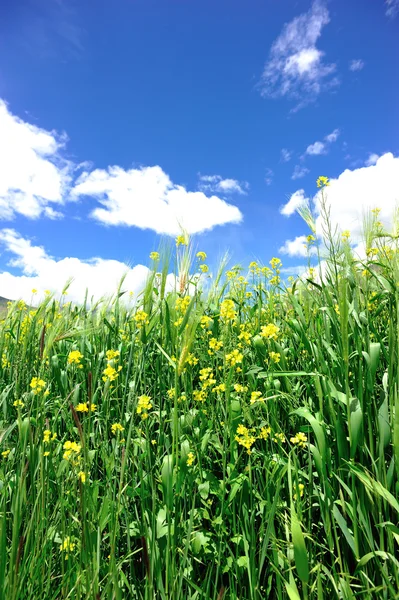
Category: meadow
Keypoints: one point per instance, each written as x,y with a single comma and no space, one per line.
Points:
234,437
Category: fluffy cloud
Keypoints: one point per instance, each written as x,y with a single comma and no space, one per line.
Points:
356,64
295,67
299,171
147,198
33,174
296,247
40,271
351,196
392,8
216,184
322,147
285,155
372,159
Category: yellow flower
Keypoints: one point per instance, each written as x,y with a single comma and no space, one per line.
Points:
322,182
215,345
67,546
245,438
274,356
205,321
154,255
240,389
199,395
235,357
5,453
34,291
74,358
181,240
47,453
299,440
256,397
346,235
265,432
112,354
144,405
47,292
204,268
141,318
301,489
19,404
116,427
190,459
275,263
310,239
72,450
37,385
82,476
227,310
201,255
270,331
84,407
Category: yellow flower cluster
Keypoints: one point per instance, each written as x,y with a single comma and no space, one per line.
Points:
227,310
190,459
74,358
322,182
48,436
141,318
269,331
245,438
110,373
204,268
214,345
181,240
72,450
233,358
274,356
67,546
299,440
85,407
18,404
201,255
116,427
154,255
37,385
143,406
256,397
182,304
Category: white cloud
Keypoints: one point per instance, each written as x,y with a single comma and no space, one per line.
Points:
296,200
372,159
216,184
295,67
392,8
33,174
333,136
269,176
296,247
351,196
147,198
322,147
316,148
285,155
299,171
40,271
356,64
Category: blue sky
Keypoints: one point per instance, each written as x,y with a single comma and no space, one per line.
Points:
245,102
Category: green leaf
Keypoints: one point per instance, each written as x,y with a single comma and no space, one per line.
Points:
300,554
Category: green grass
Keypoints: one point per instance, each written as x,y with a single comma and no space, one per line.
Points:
210,495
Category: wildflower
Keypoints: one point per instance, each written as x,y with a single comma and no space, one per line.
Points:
67,546
345,235
299,440
227,310
204,268
275,280
4,361
144,405
72,450
376,211
219,388
310,239
264,433
235,357
322,182
191,359
154,255
214,345
205,321
18,404
279,437
37,385
199,395
275,263
301,488
256,397
82,476
270,331
112,354
74,358
110,373
181,240
47,292
336,308
47,453
46,436
274,356
245,438
153,442
240,389
5,453
190,459
201,255
117,427
171,393
182,304
84,407
141,318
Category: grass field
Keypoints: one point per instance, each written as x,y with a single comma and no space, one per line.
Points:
236,437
